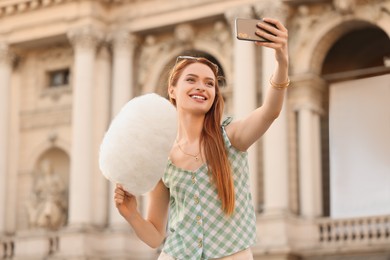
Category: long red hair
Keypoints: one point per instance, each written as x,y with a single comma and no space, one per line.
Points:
211,139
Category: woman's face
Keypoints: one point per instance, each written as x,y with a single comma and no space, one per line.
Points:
195,89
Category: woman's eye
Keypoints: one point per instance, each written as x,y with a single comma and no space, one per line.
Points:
190,80
210,84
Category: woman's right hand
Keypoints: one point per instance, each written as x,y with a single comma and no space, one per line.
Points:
125,202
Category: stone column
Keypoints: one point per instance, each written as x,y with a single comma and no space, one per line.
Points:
244,87
275,145
309,162
273,224
275,141
307,98
6,63
85,41
102,109
123,44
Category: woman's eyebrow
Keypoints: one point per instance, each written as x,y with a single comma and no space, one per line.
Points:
196,76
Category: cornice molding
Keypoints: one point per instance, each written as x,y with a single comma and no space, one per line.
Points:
13,7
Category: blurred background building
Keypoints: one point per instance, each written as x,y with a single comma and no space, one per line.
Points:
320,177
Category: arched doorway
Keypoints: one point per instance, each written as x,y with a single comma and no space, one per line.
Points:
356,93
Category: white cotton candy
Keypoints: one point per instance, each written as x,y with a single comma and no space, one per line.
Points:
135,149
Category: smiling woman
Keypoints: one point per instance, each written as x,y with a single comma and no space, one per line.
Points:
206,179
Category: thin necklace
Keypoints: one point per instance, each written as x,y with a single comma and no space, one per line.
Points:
195,156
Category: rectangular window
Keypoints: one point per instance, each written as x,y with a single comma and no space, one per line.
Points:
58,78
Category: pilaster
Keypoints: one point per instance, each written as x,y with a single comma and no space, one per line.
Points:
244,87
7,59
275,142
123,45
307,101
85,41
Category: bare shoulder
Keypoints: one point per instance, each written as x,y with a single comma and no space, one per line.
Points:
232,131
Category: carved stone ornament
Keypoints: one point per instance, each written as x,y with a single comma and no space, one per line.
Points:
374,12
123,39
85,37
344,6
184,33
222,36
271,9
302,24
217,37
48,204
150,51
241,12
7,57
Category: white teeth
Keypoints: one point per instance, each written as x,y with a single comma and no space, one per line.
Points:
198,97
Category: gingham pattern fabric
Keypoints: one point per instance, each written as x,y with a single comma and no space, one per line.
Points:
198,228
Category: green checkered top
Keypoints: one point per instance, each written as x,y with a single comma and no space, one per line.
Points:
198,228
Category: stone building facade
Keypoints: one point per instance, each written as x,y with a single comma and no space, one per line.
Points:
68,66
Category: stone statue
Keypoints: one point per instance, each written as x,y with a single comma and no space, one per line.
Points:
48,205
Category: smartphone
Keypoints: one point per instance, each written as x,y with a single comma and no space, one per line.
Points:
246,30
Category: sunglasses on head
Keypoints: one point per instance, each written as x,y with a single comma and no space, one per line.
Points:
180,58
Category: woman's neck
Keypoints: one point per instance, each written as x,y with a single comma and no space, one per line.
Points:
189,127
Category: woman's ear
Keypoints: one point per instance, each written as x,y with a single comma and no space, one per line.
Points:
171,93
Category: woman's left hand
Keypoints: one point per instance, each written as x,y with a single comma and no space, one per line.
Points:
278,41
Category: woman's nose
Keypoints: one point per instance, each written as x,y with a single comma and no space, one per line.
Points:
200,87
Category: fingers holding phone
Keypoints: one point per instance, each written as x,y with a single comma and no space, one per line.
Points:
266,32
277,35
246,29
272,30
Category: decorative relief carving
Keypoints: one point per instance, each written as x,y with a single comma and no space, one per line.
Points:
302,24
47,206
344,6
46,118
217,37
150,51
238,12
86,37
56,54
221,32
372,11
222,37
124,40
184,34
272,9
7,57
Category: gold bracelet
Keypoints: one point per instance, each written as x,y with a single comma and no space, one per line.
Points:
279,86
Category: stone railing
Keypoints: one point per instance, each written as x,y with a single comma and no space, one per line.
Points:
328,236
367,230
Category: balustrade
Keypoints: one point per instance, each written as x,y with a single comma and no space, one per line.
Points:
354,230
